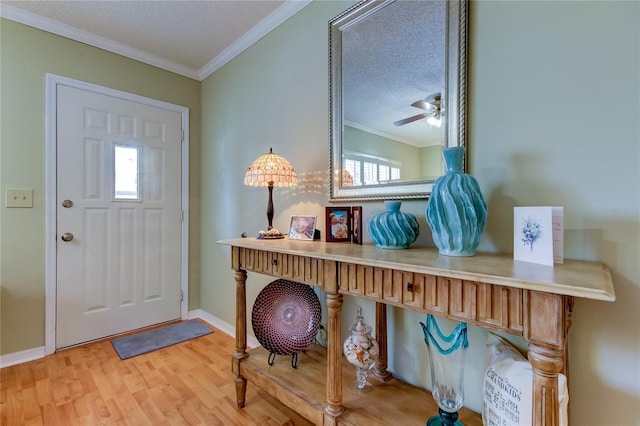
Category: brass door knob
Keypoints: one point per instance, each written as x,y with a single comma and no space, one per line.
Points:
67,236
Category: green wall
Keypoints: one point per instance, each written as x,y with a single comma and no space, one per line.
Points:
431,158
275,94
554,110
555,120
417,163
389,149
553,97
26,55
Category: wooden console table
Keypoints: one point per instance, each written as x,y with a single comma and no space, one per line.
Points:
488,290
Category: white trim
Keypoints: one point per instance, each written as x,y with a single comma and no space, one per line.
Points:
51,255
15,358
268,24
184,276
221,325
36,21
52,81
264,27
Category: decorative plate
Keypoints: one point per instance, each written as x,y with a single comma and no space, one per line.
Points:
286,317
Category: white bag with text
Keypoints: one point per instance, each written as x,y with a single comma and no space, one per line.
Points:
508,386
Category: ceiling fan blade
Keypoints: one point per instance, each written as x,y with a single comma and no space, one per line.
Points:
422,104
410,119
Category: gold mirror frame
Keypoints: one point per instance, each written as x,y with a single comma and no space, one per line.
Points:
455,89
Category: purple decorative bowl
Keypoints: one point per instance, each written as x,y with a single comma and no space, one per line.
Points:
286,317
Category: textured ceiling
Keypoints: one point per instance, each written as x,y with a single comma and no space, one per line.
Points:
180,35
394,57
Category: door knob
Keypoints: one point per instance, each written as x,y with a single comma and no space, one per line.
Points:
67,236
67,203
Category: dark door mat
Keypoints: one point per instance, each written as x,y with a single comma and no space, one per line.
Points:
159,338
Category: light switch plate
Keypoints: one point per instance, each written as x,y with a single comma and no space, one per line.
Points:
19,198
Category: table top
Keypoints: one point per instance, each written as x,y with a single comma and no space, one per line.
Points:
585,279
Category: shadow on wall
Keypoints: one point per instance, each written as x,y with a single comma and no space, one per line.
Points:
516,186
499,218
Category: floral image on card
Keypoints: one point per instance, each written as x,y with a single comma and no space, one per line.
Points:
533,235
531,231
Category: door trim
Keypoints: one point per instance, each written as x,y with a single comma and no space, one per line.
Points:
52,81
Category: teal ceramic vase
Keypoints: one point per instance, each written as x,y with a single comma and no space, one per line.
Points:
456,210
393,229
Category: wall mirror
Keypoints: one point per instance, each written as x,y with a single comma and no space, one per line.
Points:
397,95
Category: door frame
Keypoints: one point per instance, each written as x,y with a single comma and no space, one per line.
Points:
52,81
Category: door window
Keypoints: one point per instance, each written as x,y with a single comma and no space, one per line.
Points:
127,170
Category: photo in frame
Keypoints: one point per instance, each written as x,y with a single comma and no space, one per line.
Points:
302,228
338,220
356,224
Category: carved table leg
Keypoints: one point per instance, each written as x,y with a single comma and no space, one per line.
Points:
546,363
241,336
546,324
334,355
380,370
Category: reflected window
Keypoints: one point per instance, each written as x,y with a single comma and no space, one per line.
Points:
384,172
369,170
127,170
369,173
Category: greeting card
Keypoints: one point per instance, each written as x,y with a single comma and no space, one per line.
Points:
538,234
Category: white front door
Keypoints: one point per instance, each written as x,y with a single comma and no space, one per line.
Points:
118,209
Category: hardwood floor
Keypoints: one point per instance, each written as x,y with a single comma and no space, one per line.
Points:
186,384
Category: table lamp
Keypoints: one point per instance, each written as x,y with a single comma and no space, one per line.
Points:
271,170
347,179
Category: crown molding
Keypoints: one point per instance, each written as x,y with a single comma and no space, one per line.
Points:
275,18
270,22
49,25
374,131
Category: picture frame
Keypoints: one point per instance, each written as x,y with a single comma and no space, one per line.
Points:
302,227
338,220
356,225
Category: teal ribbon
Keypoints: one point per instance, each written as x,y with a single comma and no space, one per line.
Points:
458,336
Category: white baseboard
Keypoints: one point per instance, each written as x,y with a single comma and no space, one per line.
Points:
221,325
36,353
23,356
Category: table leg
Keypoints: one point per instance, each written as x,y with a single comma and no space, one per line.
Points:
547,318
241,336
334,355
380,370
546,363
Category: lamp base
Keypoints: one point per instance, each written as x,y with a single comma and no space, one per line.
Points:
269,237
271,234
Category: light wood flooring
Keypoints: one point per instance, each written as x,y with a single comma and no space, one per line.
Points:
186,384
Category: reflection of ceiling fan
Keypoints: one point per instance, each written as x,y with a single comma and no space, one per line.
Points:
433,107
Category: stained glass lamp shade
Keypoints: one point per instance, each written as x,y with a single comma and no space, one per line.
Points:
271,170
347,179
